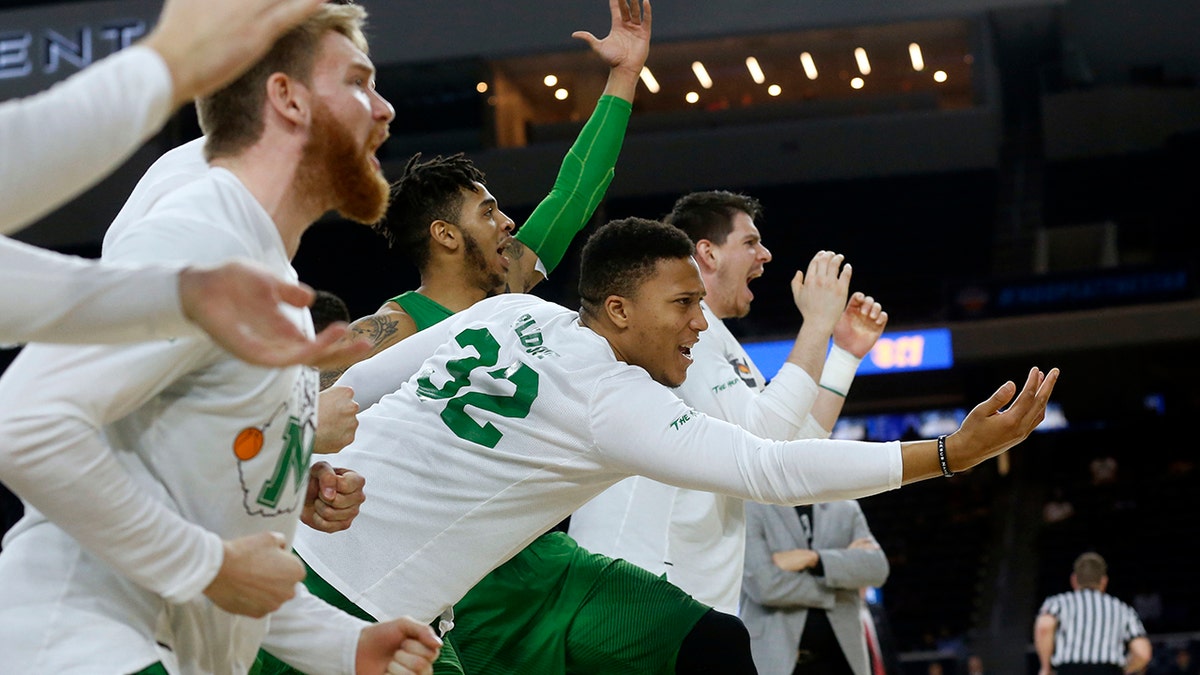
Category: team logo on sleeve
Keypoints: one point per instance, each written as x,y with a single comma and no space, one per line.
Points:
743,371
273,457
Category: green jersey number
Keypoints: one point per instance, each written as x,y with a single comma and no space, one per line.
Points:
516,406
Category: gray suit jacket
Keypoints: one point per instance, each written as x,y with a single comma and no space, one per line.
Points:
775,603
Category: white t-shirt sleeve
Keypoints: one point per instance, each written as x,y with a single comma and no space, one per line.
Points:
54,403
313,636
49,297
777,412
382,374
641,427
61,141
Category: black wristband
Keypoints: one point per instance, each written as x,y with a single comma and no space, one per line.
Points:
942,457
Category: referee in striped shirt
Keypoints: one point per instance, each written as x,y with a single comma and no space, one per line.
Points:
1087,631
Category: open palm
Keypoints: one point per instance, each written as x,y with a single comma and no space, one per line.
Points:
628,40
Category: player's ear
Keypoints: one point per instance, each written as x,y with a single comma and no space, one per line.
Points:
445,234
616,308
705,255
289,98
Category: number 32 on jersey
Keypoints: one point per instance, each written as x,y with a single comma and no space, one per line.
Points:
467,379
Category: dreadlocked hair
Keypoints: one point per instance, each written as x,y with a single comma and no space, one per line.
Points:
427,191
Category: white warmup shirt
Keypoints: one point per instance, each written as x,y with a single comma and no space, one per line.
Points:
698,538
57,144
520,416
136,461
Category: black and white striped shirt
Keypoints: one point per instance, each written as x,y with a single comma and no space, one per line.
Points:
1093,627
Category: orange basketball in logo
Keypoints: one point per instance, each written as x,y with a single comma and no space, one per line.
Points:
248,443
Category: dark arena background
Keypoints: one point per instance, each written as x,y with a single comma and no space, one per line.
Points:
1022,183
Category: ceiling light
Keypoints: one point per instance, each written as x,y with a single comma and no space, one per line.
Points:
755,70
481,87
914,53
561,94
857,83
550,80
649,81
939,76
774,90
864,66
810,67
692,97
702,75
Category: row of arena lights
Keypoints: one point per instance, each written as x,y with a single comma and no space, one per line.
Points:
806,61
756,74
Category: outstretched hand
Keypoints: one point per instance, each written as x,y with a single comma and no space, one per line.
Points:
628,41
991,428
238,305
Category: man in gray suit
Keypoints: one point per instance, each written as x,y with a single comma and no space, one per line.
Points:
801,597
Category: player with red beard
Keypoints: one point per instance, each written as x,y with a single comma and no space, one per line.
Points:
163,505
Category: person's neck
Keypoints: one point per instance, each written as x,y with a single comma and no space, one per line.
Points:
714,301
605,329
450,289
269,173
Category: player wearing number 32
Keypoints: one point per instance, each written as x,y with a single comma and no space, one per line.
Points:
526,410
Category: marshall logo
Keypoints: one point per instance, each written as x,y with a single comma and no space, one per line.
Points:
47,50
272,457
744,372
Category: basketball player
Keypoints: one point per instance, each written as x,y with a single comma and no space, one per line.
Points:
162,506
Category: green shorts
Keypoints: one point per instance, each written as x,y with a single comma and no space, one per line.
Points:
556,608
266,664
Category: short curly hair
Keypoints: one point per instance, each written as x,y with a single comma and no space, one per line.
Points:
427,191
620,255
709,215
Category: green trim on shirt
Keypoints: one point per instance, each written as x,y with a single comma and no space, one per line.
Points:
424,312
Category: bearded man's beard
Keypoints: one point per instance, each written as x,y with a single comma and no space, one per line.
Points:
335,164
490,280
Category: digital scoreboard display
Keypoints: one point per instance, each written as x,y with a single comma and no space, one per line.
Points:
895,352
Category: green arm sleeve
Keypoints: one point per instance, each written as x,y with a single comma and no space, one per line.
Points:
586,173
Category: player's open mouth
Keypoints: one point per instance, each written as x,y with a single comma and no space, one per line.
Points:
502,251
374,149
686,350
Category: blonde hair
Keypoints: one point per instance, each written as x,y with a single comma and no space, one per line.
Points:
232,118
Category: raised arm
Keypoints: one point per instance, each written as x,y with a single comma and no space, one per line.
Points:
855,334
587,169
781,410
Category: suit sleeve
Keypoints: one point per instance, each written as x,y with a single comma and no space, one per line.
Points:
61,141
855,567
50,297
767,584
641,428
